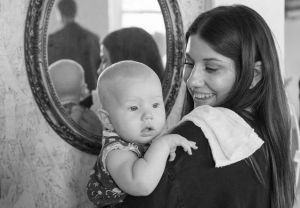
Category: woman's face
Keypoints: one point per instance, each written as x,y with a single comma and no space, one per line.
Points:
209,75
105,59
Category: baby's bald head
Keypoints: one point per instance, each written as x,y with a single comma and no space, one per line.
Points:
121,74
68,79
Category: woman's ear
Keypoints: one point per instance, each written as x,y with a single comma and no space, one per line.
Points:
257,74
104,117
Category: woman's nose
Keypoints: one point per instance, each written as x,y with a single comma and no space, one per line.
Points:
197,77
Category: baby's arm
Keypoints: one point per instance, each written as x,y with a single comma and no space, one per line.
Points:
139,176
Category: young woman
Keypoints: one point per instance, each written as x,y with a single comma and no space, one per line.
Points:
231,62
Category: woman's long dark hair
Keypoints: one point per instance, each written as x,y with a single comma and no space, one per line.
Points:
242,35
135,44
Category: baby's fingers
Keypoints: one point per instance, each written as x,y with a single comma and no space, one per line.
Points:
187,149
172,156
193,145
188,146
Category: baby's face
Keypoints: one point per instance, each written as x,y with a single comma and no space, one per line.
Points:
137,111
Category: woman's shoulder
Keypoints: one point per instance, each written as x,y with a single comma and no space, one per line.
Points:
192,132
188,129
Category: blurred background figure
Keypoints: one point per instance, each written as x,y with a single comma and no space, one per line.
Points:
75,42
134,44
68,81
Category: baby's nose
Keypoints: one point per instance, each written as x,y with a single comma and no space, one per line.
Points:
147,116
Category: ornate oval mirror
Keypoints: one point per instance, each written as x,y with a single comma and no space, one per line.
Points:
159,18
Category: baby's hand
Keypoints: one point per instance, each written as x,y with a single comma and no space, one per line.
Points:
175,140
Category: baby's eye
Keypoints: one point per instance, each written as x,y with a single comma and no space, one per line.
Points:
156,105
133,108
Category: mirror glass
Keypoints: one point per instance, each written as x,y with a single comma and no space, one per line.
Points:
76,47
75,32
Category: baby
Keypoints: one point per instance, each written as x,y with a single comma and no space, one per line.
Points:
67,77
133,114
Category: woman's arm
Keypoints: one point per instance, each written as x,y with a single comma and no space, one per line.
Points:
139,176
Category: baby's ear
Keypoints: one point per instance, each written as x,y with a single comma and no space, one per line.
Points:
104,117
84,90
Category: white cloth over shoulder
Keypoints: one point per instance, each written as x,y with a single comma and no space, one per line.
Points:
231,139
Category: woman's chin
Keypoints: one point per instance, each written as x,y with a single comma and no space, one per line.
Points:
203,102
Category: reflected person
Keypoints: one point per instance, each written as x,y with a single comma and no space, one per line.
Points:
134,44
67,77
75,42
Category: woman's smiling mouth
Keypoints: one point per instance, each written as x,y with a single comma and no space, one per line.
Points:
202,96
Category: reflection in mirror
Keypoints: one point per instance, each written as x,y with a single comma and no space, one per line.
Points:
75,33
95,27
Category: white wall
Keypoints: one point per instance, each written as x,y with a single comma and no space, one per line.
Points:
292,59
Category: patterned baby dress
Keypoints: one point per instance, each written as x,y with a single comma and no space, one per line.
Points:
101,188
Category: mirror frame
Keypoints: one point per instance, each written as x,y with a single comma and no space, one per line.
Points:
35,49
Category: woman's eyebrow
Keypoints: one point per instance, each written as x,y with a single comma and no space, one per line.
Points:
214,59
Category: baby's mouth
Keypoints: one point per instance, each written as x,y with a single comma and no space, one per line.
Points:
147,131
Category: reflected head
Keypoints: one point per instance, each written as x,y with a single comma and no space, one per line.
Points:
67,8
135,44
67,77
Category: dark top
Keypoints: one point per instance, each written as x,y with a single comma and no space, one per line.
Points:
194,181
76,43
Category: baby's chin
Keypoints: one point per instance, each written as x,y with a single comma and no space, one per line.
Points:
142,139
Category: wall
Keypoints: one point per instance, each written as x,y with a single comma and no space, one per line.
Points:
37,168
292,59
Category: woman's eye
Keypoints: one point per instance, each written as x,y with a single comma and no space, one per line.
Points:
211,69
156,105
133,108
188,63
